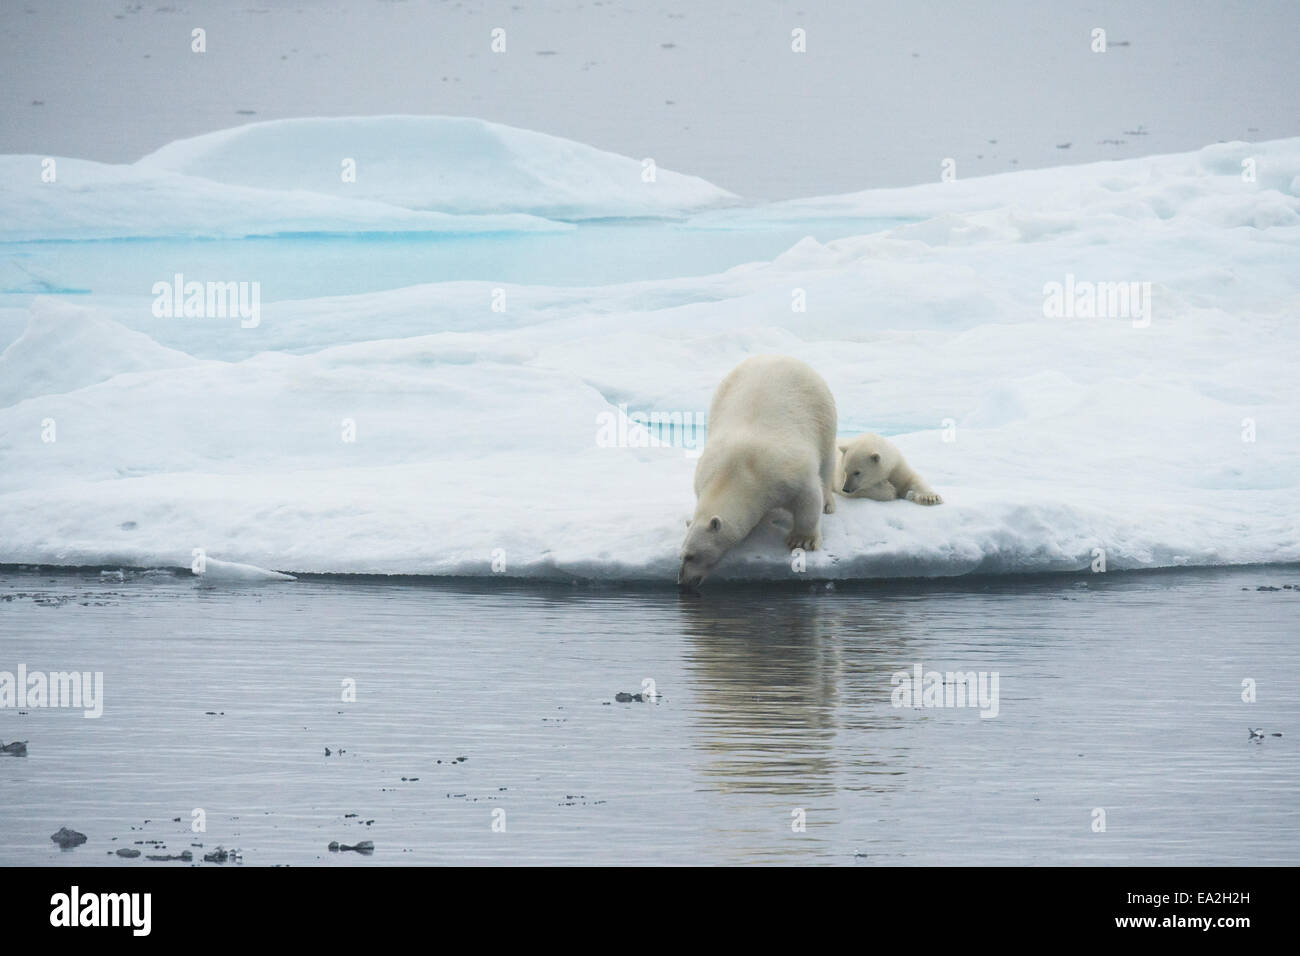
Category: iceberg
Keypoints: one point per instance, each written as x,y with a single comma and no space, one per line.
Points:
448,164
386,174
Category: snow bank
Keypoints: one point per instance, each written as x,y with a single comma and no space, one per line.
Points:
66,347
343,435
445,163
1228,184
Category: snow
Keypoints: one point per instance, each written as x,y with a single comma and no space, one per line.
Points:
447,163
66,347
418,174
89,200
418,431
1207,184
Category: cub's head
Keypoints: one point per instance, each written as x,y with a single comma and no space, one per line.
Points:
864,461
706,542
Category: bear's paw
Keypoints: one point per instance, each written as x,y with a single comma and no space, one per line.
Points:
808,542
925,498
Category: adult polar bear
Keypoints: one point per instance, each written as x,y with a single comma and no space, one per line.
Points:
771,445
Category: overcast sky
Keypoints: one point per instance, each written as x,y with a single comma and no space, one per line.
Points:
883,94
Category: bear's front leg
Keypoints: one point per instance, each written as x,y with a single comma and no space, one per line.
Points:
881,491
807,511
913,487
918,491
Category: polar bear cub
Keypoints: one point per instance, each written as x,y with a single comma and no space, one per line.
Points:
771,444
872,467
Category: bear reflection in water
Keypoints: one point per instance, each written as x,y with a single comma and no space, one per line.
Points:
780,675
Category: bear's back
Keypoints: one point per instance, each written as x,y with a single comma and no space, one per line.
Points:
774,398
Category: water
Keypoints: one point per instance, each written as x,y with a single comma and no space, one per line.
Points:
309,266
1119,692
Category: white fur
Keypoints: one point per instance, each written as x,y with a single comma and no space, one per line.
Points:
771,445
872,467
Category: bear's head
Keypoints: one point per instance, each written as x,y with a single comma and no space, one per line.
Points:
865,461
706,542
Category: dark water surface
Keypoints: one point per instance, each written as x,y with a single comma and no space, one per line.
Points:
1118,692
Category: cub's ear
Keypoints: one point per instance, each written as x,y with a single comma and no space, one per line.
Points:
715,523
842,446
875,456
688,522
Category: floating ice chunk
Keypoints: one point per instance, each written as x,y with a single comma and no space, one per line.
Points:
231,572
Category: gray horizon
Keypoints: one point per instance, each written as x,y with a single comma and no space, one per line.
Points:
881,97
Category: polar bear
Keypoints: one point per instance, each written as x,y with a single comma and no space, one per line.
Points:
872,467
771,444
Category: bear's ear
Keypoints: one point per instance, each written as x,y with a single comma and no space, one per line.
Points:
875,456
715,523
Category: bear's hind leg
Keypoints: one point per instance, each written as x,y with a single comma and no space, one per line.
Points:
826,472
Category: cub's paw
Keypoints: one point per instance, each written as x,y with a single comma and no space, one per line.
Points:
925,498
829,507
808,542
